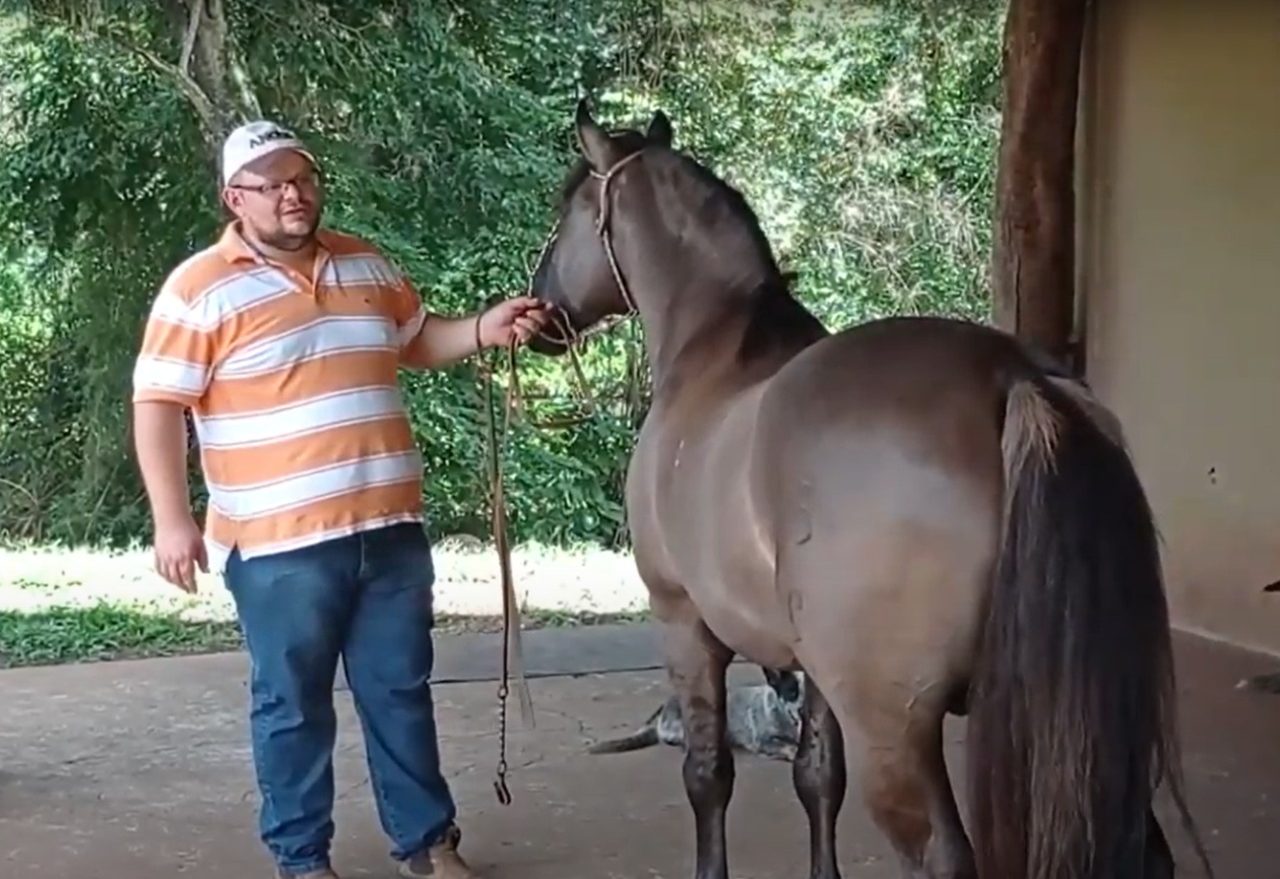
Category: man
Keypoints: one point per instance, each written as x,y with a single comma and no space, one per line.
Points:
284,340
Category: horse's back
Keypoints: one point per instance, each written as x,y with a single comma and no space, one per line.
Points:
925,392
878,459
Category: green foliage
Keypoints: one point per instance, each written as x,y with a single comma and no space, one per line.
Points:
863,134
94,204
104,632
107,631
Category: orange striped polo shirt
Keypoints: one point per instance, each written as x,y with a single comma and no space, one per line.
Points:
293,390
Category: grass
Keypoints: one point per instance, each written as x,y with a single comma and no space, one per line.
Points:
60,605
107,632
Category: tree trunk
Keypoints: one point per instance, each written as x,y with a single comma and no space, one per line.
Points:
1033,257
208,68
218,66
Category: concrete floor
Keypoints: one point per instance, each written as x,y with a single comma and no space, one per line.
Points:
140,770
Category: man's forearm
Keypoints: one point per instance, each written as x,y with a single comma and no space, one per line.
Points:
160,438
442,342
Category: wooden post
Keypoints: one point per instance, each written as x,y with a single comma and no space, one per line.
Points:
1033,257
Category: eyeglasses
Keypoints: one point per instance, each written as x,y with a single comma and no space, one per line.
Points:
307,180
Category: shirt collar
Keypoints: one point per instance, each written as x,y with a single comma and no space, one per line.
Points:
233,247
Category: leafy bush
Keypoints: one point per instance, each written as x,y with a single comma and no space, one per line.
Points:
863,134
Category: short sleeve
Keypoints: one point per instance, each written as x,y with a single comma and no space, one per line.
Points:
407,309
176,354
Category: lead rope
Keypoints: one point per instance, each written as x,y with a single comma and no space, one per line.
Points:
513,647
571,339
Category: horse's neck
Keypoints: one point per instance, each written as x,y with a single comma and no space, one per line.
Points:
733,340
691,342
715,310
779,328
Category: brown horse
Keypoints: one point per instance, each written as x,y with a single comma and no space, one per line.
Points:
922,514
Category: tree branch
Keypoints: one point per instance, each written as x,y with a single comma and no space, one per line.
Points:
204,107
234,71
248,98
189,40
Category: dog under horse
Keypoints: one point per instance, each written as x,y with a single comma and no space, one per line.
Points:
761,719
920,513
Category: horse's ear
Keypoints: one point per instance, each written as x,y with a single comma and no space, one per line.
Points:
594,141
660,129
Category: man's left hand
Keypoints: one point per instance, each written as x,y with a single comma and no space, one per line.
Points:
519,318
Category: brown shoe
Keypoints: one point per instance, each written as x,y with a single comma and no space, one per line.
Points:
441,861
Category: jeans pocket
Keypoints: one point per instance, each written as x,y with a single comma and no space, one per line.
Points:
401,560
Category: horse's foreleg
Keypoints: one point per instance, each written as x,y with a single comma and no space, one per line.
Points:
696,662
820,780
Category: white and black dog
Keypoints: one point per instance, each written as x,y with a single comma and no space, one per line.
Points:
761,719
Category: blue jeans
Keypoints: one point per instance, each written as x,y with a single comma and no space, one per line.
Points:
368,599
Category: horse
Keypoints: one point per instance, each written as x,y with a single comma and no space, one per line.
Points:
923,514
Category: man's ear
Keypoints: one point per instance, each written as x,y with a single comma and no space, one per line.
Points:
229,198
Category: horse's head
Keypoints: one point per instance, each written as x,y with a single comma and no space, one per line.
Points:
575,274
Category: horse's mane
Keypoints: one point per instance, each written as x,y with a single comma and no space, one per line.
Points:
777,317
778,320
631,140
737,204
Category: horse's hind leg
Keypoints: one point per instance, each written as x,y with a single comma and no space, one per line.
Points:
820,780
696,663
1159,856
904,778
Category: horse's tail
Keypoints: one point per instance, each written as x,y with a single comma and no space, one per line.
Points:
1072,713
645,737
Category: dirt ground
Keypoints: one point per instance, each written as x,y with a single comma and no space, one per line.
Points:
142,770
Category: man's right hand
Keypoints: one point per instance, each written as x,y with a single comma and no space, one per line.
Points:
179,550
160,431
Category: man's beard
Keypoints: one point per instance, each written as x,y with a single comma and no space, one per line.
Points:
282,240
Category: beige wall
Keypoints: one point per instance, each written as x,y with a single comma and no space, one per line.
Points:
1180,276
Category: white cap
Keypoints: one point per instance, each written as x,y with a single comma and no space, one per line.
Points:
253,140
